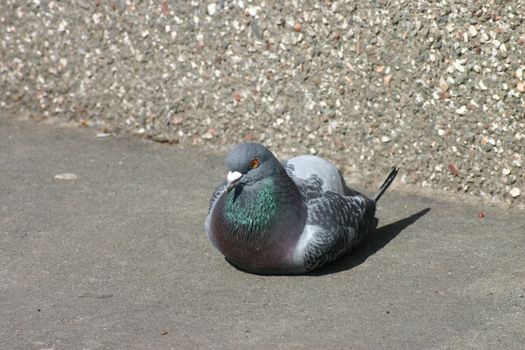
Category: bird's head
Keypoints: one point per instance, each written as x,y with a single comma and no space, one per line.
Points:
248,163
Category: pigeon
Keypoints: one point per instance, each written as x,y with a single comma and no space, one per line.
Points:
292,217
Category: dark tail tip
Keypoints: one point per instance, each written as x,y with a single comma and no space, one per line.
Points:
390,178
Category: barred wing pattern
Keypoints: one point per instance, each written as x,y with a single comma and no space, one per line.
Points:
338,223
335,223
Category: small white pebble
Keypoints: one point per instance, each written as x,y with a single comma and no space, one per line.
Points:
515,192
481,85
459,65
519,74
252,11
66,176
472,31
97,17
62,26
461,110
212,8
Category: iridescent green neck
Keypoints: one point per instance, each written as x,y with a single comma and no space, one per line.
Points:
254,208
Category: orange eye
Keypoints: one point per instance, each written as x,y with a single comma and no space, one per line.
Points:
255,163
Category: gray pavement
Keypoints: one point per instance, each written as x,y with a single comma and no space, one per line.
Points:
118,259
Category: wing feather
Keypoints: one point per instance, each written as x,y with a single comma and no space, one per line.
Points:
335,223
216,194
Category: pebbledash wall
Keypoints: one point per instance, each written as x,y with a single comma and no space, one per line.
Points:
435,87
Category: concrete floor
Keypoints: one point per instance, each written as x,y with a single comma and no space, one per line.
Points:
118,259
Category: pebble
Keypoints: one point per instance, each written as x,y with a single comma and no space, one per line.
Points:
459,65
66,176
453,169
482,86
161,138
511,180
461,110
208,135
252,11
212,8
97,17
62,26
484,37
519,73
514,192
443,85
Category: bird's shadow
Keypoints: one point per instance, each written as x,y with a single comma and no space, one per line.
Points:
372,243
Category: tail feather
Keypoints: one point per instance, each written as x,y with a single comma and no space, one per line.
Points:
390,178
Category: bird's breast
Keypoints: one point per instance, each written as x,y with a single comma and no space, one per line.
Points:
251,246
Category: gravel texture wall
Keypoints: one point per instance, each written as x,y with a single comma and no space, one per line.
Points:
435,87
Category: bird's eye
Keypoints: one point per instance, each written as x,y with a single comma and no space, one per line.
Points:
255,163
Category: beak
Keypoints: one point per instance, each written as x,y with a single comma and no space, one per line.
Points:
232,178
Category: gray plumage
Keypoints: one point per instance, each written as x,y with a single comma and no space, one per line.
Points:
286,218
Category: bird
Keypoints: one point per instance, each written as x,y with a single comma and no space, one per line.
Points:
292,217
